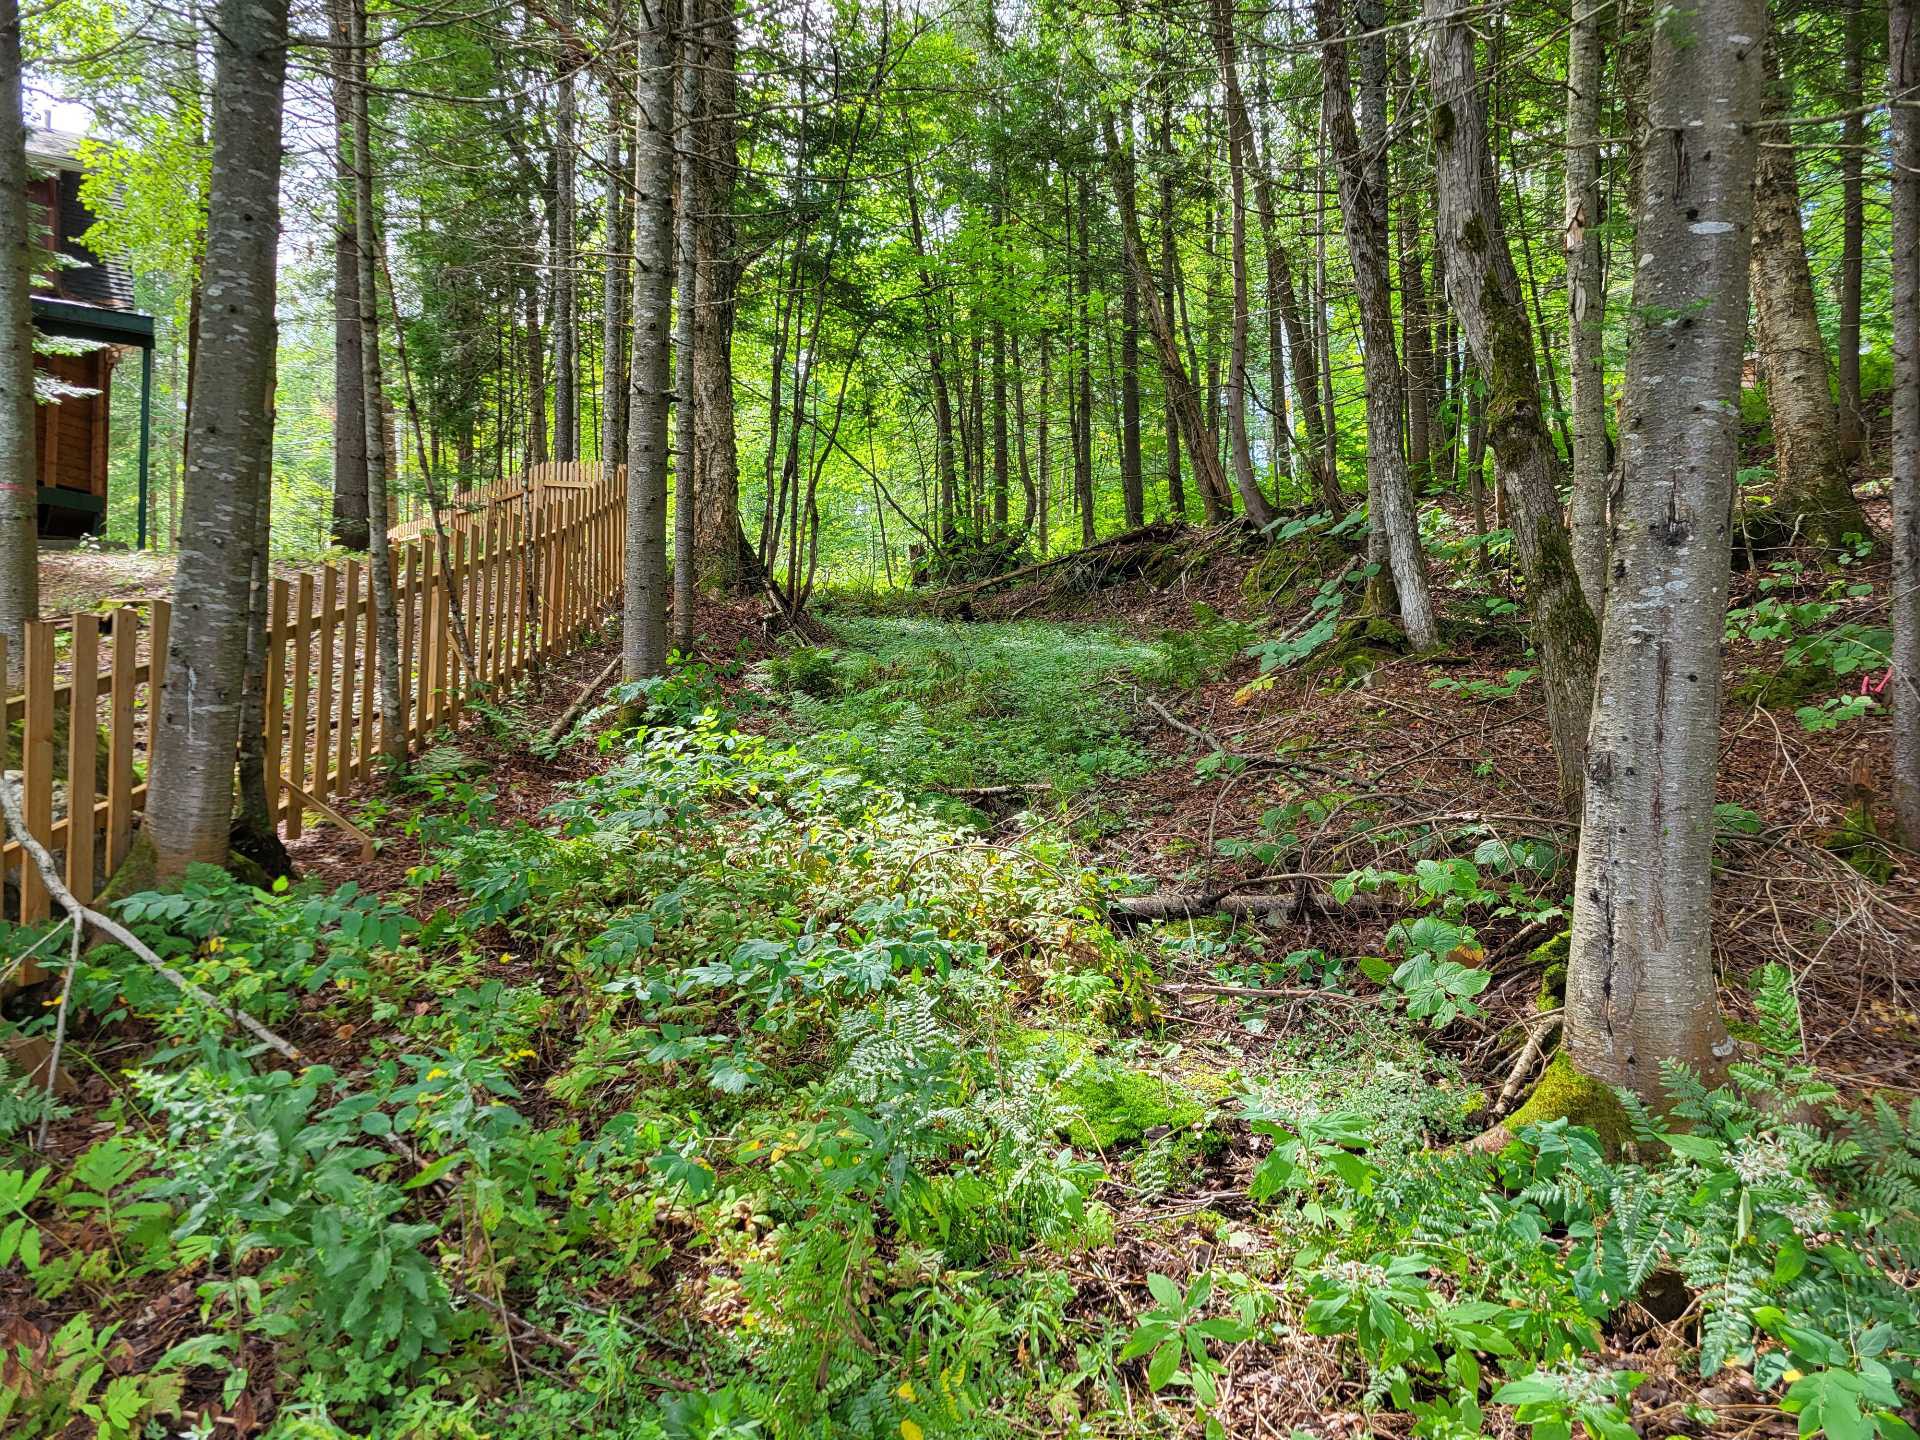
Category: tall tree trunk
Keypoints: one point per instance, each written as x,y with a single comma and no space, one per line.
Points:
720,549
1133,488
1239,149
566,322
644,620
1586,302
19,533
1364,214
1176,491
197,730
1043,454
351,515
1179,386
613,301
1002,477
1485,290
1811,485
1083,364
1903,79
686,457
1853,143
373,411
1416,338
1640,981
943,457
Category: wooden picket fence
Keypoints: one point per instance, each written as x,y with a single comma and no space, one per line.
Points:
527,572
535,485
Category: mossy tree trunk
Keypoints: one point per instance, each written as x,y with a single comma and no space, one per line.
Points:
1640,982
1485,290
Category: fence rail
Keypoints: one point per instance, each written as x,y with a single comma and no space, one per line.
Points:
526,577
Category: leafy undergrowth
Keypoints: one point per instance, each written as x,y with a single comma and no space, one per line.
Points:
745,1096
928,706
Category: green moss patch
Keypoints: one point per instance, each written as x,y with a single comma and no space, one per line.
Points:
1113,1103
1564,1093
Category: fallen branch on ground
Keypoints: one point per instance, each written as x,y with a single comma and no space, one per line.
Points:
1194,904
1245,757
1261,992
1159,530
575,710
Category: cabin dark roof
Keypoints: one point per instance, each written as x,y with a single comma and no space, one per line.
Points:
92,281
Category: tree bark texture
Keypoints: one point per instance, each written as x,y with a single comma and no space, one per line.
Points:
718,546
230,439
387,677
351,515
1903,78
1811,482
644,620
1640,984
615,283
19,470
1363,212
1485,290
566,322
1586,303
686,467
1853,226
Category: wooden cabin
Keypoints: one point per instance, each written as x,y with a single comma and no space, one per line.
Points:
84,298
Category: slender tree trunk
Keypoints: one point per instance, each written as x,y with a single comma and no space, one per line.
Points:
19,532
1903,79
1364,212
720,549
1485,290
644,627
1812,485
566,321
1083,364
1176,491
1416,338
1020,438
1133,489
1044,437
943,458
686,457
1002,478
387,677
230,427
1640,982
351,516
1853,142
1180,393
613,303
1586,303
1239,148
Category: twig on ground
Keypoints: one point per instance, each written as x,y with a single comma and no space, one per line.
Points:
575,710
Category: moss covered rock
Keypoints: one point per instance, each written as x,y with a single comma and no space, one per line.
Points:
1360,645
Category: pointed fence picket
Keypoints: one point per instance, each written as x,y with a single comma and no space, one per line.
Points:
528,564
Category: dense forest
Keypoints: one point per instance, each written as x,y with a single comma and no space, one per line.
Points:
839,718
